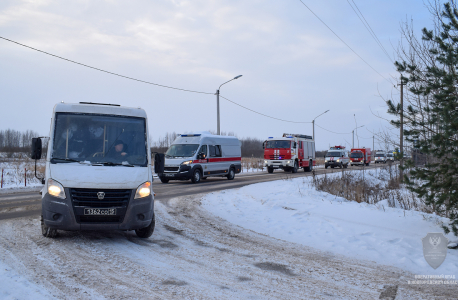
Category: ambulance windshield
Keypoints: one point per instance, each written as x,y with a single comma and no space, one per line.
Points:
182,150
333,154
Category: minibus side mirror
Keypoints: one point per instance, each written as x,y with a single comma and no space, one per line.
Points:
201,156
36,148
159,161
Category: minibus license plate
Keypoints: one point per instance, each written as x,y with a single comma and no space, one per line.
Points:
100,211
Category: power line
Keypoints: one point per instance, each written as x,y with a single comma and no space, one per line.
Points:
143,81
94,68
261,113
369,28
345,42
332,131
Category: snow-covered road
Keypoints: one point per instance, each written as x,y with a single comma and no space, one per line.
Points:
192,255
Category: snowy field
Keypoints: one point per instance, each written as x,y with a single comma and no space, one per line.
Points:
19,174
292,210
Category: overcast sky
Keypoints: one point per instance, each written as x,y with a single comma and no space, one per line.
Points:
293,67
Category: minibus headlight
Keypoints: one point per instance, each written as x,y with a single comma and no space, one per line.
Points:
56,189
187,163
265,161
144,190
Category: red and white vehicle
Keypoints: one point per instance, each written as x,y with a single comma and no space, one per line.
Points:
360,156
289,152
336,156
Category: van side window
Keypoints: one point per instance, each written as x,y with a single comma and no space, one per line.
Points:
203,151
215,151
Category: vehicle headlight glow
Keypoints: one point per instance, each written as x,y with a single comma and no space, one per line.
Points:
144,190
187,163
338,160
265,161
56,189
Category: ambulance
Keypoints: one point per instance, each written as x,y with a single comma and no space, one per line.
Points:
336,156
197,156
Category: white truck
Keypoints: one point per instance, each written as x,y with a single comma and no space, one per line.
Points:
98,170
336,156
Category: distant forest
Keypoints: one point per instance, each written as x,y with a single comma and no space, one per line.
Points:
13,141
16,141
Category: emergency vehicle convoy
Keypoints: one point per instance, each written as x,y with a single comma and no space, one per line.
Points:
360,156
336,156
289,152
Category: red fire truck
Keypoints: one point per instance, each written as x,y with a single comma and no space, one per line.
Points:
360,156
289,152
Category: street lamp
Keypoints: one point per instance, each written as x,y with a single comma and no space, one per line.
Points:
217,103
353,133
313,122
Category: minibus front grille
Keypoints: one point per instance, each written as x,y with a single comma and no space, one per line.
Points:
171,169
100,198
90,197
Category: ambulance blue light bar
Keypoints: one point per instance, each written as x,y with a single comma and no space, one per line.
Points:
191,134
271,137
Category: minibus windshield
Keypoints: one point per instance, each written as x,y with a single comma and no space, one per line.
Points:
99,139
182,150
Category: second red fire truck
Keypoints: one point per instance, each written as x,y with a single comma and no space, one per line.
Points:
289,152
360,156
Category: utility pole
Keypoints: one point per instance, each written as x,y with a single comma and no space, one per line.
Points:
401,142
353,139
217,112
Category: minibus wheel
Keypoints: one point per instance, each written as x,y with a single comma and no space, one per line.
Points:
146,232
231,174
196,176
46,231
163,180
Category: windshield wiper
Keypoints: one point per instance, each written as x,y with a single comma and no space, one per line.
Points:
109,163
66,159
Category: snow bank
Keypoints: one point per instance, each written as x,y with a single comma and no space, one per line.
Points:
15,286
292,210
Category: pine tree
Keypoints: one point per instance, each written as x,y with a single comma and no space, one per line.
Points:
429,69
